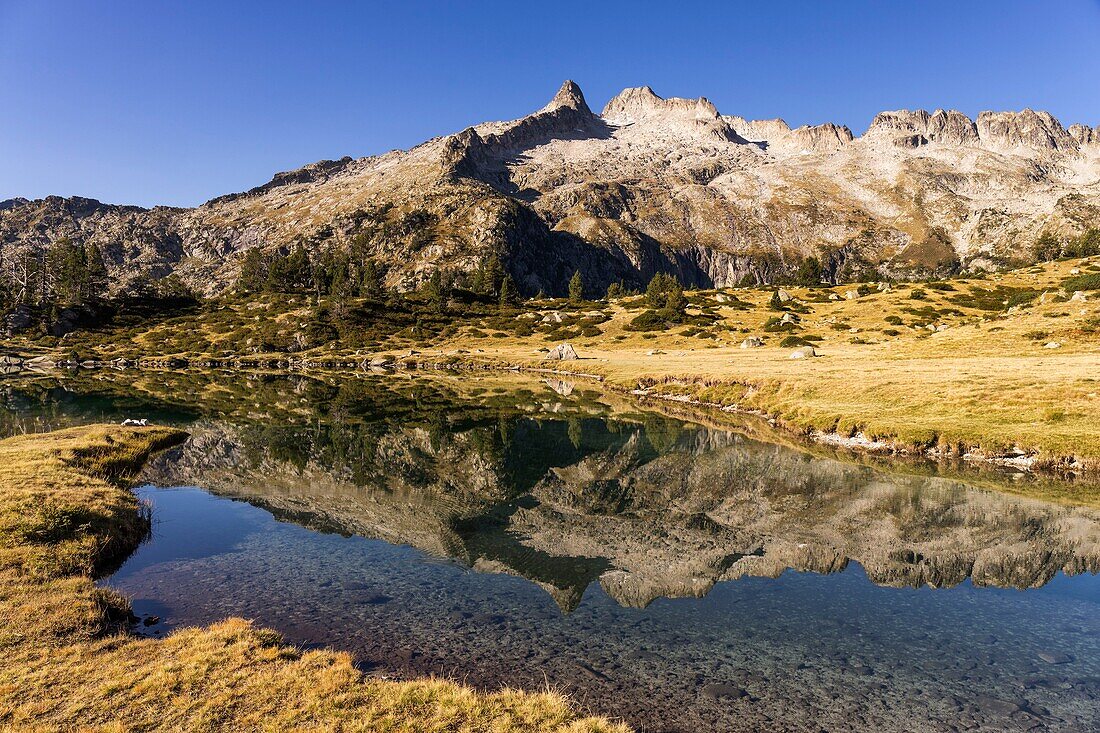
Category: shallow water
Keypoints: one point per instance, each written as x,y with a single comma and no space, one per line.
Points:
678,576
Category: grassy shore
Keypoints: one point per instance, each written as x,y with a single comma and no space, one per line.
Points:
985,366
66,516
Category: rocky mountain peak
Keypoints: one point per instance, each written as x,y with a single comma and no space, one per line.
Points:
690,117
913,128
1085,135
1027,129
635,104
569,95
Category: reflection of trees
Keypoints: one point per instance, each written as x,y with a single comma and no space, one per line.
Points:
662,434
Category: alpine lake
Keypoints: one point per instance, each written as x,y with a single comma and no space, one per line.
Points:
682,572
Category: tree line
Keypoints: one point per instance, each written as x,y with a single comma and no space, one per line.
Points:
67,273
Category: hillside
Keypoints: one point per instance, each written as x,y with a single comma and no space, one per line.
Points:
648,185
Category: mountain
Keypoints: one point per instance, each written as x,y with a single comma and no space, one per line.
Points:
650,184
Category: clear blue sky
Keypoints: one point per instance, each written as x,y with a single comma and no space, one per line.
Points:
152,102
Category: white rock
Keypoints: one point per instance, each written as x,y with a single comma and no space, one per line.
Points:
803,352
752,342
562,352
851,294
1052,345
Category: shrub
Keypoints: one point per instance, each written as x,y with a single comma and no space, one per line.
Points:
1082,282
647,321
1021,298
774,325
792,341
917,294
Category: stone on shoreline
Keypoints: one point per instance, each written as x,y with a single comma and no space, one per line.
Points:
562,352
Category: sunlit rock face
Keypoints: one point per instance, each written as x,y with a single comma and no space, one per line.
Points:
651,184
646,509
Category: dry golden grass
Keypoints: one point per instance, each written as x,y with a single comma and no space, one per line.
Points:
67,665
985,382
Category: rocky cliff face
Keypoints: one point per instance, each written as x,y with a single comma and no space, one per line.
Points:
650,184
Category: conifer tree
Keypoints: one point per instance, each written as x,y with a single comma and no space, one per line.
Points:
576,287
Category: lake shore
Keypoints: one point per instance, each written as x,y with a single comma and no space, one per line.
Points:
1000,370
67,516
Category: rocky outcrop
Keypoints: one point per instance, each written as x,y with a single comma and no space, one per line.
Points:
1084,135
1027,129
688,117
947,127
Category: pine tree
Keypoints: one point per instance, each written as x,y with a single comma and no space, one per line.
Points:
509,296
254,271
493,276
664,292
66,276
576,287
371,284
436,292
96,281
1047,248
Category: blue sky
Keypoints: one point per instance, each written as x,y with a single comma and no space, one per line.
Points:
155,102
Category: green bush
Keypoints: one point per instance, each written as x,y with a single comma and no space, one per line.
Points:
647,321
1082,282
1021,298
774,325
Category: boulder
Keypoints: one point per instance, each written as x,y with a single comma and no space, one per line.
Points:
1052,345
1078,297
803,352
851,294
789,318
19,319
784,296
562,352
752,342
553,317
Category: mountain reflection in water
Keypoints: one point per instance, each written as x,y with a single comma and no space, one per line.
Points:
609,509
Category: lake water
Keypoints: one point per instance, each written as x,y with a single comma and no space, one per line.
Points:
684,577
